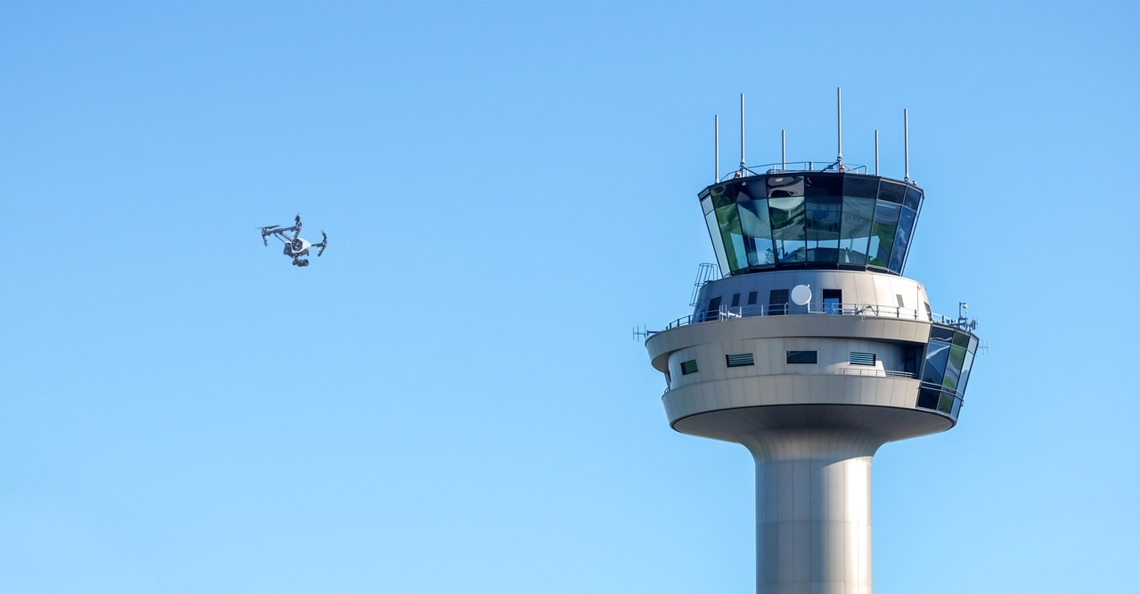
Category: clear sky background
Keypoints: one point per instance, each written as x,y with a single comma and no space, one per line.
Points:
450,399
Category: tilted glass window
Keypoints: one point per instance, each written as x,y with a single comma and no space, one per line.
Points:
731,235
717,241
859,186
891,191
883,233
824,214
757,228
778,302
935,367
902,240
855,230
788,233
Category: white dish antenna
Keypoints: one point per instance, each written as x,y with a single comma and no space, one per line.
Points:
801,294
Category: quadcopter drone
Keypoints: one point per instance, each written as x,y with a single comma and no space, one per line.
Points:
295,247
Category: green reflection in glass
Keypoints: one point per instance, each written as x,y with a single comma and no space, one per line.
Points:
823,214
788,228
946,403
954,367
961,339
883,233
722,195
855,229
732,237
717,241
757,227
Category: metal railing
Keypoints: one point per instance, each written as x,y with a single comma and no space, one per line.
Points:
794,167
838,309
874,372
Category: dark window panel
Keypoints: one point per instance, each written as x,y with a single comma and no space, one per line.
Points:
941,334
736,300
913,198
927,398
961,339
862,359
801,357
752,298
784,186
824,184
892,191
713,311
689,367
945,403
860,186
778,302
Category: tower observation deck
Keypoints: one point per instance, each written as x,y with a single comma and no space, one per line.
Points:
812,350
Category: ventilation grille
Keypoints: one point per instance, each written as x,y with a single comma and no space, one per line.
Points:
863,359
689,367
739,360
801,356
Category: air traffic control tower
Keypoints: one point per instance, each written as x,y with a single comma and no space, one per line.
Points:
812,350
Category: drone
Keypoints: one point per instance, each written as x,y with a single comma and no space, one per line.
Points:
295,247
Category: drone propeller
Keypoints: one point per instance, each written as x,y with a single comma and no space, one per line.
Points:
324,244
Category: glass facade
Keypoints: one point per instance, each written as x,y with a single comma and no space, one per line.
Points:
946,367
814,220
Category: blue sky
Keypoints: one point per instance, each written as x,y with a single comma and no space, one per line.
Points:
449,400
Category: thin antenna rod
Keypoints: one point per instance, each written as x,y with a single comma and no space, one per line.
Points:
906,146
742,130
876,152
783,149
839,111
716,151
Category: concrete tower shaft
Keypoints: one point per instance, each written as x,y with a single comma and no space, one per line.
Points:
812,389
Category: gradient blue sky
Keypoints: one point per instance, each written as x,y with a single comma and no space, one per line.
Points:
449,400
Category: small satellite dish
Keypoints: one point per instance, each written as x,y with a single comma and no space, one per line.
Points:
801,294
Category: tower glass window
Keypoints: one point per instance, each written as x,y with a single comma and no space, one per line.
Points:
821,219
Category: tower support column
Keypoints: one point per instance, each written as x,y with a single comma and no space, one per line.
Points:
813,510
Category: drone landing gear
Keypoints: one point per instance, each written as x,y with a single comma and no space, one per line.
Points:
300,262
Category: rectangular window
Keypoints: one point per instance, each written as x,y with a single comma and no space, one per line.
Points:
863,359
736,300
739,360
689,367
831,301
714,308
899,299
752,298
778,302
798,357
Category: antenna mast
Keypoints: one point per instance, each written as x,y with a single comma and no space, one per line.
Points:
906,146
742,131
839,112
876,152
716,150
783,149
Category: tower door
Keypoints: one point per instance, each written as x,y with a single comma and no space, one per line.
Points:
832,298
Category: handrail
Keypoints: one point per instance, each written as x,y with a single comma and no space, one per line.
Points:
844,309
794,167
